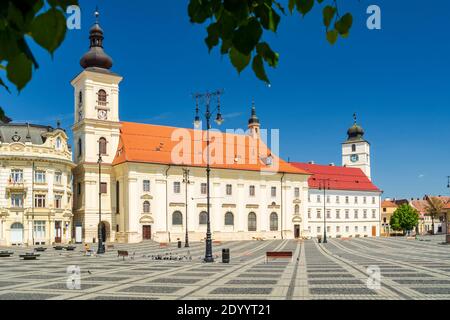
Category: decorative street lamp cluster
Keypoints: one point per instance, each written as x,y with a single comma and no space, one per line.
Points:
101,248
186,181
324,184
206,99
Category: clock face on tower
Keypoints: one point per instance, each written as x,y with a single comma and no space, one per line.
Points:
102,114
354,158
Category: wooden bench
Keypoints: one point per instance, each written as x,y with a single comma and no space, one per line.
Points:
29,256
278,254
6,254
122,253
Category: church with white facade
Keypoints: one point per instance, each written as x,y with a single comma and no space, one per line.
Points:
149,181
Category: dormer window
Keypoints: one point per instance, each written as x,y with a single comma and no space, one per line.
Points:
58,143
102,98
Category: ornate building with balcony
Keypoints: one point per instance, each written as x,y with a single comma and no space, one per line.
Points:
35,185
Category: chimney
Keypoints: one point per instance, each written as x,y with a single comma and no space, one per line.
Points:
331,164
311,162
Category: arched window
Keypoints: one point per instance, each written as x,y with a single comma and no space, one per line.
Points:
177,218
273,222
252,221
58,143
229,219
102,97
353,147
146,207
80,145
203,217
102,145
297,209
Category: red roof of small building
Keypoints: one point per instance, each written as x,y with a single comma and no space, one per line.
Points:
148,143
338,178
388,204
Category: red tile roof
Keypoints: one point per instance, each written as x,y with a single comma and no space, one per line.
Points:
340,178
388,204
156,144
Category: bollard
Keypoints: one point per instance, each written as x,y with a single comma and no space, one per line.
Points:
179,244
225,255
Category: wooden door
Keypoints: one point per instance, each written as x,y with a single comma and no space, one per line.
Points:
58,231
374,231
146,232
297,231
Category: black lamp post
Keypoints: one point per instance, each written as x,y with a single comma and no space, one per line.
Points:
101,248
324,184
446,215
206,98
186,181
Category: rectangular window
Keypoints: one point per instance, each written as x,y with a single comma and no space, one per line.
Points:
229,189
347,229
365,228
39,230
374,214
318,229
328,199
309,213
365,214
251,191
356,199
104,188
318,198
347,214
58,178
373,200
39,200
338,214
17,200
328,214
319,214
309,197
146,185
338,229
273,192
203,188
346,200
176,187
328,229
297,192
16,176
39,176
58,201
356,214
337,199
364,200
356,228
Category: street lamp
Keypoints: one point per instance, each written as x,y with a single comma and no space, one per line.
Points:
206,98
446,215
187,182
101,248
324,184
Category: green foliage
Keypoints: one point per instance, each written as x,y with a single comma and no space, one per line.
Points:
21,21
238,26
405,218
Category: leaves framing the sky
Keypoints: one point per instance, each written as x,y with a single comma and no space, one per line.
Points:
238,27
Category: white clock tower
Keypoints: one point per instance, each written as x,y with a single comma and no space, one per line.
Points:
96,131
356,150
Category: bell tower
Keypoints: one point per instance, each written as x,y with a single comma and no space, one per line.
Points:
96,132
356,150
253,123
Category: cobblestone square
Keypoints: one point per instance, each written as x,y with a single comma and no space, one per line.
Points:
409,269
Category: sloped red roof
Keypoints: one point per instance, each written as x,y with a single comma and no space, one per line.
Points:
339,178
161,144
388,204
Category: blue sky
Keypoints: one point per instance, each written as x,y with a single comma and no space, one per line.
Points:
396,79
